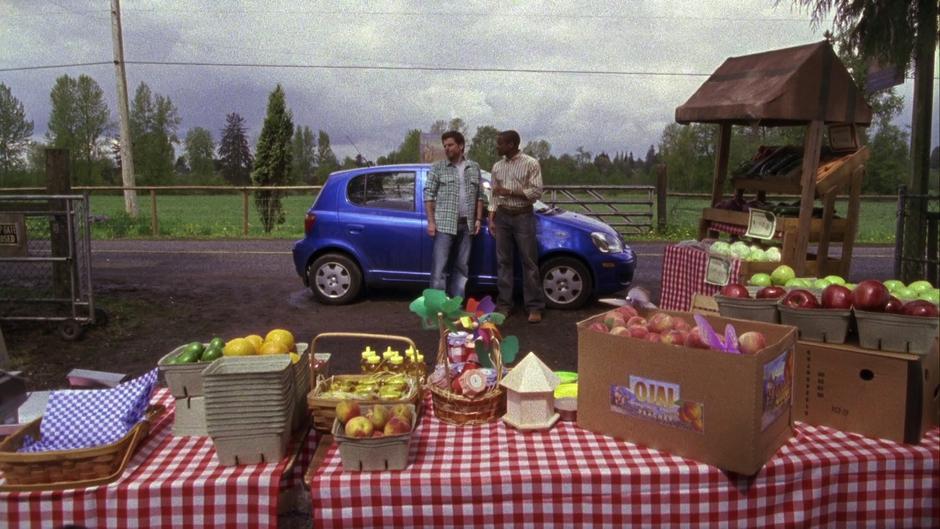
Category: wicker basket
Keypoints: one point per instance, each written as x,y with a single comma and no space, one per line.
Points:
323,410
68,469
453,408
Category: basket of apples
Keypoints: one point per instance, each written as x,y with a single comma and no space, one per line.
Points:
824,319
887,323
375,437
735,301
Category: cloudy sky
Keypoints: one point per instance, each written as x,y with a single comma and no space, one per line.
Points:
603,75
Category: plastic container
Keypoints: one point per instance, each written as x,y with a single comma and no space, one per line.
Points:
896,332
817,325
764,310
388,452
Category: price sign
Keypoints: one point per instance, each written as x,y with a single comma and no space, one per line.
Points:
761,224
718,270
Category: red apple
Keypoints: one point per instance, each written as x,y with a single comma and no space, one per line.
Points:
654,337
627,311
614,319
359,427
620,330
920,307
638,331
680,325
836,297
694,339
894,306
598,327
735,290
871,295
800,299
636,320
660,323
751,342
772,292
673,337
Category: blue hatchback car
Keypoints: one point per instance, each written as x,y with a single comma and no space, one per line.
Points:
367,227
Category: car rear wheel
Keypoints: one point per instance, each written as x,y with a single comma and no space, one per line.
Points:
566,283
334,279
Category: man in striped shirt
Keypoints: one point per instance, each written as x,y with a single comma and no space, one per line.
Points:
453,201
517,184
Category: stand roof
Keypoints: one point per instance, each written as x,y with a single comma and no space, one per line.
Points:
790,86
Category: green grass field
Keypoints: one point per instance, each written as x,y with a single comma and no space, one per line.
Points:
220,216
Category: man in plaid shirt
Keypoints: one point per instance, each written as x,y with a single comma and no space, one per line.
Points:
454,205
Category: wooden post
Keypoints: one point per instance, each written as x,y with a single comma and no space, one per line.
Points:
851,227
59,182
154,222
822,247
812,144
722,150
662,188
245,212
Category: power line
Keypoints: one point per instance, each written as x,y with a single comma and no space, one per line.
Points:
55,66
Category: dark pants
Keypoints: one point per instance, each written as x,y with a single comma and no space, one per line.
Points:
517,232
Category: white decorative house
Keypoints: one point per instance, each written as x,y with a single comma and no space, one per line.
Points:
530,395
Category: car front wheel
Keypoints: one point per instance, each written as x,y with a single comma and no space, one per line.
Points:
566,283
334,279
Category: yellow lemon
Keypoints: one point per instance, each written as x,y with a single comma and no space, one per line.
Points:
273,348
256,341
238,347
294,358
280,335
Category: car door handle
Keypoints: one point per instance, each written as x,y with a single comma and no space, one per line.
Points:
354,229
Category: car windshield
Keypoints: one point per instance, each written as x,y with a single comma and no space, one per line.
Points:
488,189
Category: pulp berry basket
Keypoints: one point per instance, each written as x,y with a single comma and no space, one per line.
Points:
817,325
454,408
67,469
756,309
388,452
323,408
896,332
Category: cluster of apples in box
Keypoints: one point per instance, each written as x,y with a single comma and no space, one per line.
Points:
662,327
377,421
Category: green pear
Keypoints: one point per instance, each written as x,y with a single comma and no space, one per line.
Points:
760,280
905,294
835,280
920,286
892,284
782,274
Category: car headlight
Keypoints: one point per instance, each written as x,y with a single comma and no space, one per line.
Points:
606,243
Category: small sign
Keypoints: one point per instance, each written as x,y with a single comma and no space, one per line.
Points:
843,138
882,77
718,270
761,224
12,235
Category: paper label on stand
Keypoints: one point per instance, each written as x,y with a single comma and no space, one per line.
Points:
657,401
778,378
717,270
761,224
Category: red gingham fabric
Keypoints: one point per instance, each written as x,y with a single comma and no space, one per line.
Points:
495,476
171,482
684,270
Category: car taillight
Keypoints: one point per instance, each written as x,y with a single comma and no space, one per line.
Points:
308,222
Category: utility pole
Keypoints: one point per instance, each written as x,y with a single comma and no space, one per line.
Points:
127,158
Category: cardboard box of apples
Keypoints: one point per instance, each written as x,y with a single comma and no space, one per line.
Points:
704,387
373,437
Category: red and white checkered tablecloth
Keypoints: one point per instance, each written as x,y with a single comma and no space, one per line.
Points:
494,476
171,482
683,276
735,229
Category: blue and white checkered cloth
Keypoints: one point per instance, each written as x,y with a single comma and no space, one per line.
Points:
86,418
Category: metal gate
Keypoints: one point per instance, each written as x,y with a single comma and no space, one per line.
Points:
45,261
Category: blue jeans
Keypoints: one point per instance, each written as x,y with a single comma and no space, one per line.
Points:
517,233
459,269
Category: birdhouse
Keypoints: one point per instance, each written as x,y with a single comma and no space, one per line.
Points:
530,395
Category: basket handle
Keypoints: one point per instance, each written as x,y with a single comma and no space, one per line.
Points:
357,335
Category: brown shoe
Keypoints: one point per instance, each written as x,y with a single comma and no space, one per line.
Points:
535,316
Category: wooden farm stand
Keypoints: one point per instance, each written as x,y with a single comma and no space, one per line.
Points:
801,86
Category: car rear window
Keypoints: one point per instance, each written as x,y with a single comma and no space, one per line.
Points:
383,191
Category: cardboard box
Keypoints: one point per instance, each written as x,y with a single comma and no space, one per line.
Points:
875,393
731,411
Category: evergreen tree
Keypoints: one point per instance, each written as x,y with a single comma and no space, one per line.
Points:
199,152
273,161
15,132
483,147
408,151
153,122
234,153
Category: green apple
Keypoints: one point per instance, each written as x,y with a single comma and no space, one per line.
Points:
850,286
782,274
760,280
905,294
835,280
932,296
920,286
893,284
821,283
796,282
